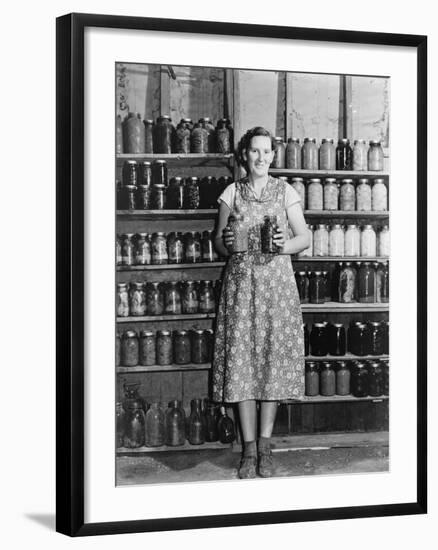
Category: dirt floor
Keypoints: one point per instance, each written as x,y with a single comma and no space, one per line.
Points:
209,465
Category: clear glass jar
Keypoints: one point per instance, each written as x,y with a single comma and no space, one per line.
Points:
317,288
147,355
122,300
159,249
327,379
143,197
293,154
130,173
175,424
358,339
206,297
133,134
359,380
142,249
211,140
308,252
127,197
163,135
366,283
382,283
164,348
343,377
327,155
207,246
154,299
347,195
300,188
311,379
360,155
336,240
375,379
347,285
363,195
118,250
223,137
344,155
144,175
158,197
321,240
337,339
383,241
237,225
159,172
279,160
302,281
331,194
175,194
379,195
128,249
190,299
175,248
309,154
192,247
199,346
196,424
368,241
129,351
315,195
199,139
191,193
154,430
352,240
137,299
172,299
182,137
375,156
182,347
267,232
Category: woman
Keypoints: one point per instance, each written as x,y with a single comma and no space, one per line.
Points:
259,343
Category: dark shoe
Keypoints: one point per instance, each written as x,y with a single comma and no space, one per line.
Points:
247,467
266,463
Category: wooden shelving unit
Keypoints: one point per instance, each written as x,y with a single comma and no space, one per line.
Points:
163,368
199,265
339,174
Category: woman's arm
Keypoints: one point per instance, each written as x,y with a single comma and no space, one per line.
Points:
224,212
301,239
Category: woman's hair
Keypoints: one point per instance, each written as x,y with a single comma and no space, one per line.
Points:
245,142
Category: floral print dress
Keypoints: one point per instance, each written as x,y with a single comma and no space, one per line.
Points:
259,341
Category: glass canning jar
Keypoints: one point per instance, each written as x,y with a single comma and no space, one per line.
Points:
154,426
223,137
317,288
164,348
358,338
267,232
130,173
207,247
175,424
344,155
382,283
159,172
368,241
375,379
172,299
211,140
343,377
359,380
143,197
375,338
315,195
336,339
347,195
236,223
331,194
199,346
159,248
175,194
122,300
192,247
133,134
279,160
327,155
366,283
300,188
154,299
137,299
206,297
182,137
352,240
319,340
375,156
182,347
118,250
302,281
347,284
311,379
321,240
128,247
163,135
383,241
363,195
360,155
147,351
199,139
129,350
379,195
145,174
309,154
127,197
158,197
336,240
208,192
175,248
190,299
149,136
191,193
142,249
293,153
327,379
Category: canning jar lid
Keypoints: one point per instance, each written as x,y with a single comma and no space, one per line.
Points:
129,334
160,161
330,180
374,142
146,333
363,180
344,141
293,140
327,140
163,332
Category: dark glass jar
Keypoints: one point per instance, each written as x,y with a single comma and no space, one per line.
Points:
118,345
132,397
144,173
191,193
128,249
164,347
385,336
182,347
225,427
211,419
293,154
119,260
143,197
319,340
142,249
182,137
158,197
279,160
347,284
122,300
159,248
129,350
375,379
175,424
208,192
223,137
382,283
199,139
211,140
159,172
154,299
337,339
175,248
199,347
306,339
207,302
135,422
196,431
192,247
137,299
149,136
130,173
127,197
375,338
385,376
303,286
343,378
358,339
175,194
366,283
147,354
208,251
309,154
209,332
344,155
317,288
120,425
267,232
359,380
133,134
190,300
154,430
163,135
326,277
327,379
172,299
311,379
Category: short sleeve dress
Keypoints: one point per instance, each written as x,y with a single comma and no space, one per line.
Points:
259,338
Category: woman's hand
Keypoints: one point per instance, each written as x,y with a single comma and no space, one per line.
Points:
279,239
228,237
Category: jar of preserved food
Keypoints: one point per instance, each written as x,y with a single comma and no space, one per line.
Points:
327,294
327,155
199,347
135,422
163,135
191,193
190,300
293,154
331,194
358,339
154,299
119,135
385,332
208,251
155,431
192,249
175,194
208,192
352,240
363,195
209,126
336,240
382,283
127,197
308,252
279,160
117,350
309,154
375,156
240,233
303,286
267,232
159,172
196,431
225,427
359,380
375,338
343,377
223,137
298,185
122,300
147,355
182,347
182,137
137,299
368,241
133,134
327,379
175,248
367,283
360,155
319,340
199,139
344,155
347,195
129,350
306,339
158,199
130,173
144,173
159,248
175,424
172,299
375,379
164,347
347,284
379,195
142,249
311,379
383,241
317,288
120,425
336,339
143,197
149,136
206,298
321,240
315,194
385,376
211,418
119,260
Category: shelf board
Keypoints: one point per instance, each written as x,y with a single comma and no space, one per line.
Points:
199,214
169,266
304,259
377,214
172,156
186,447
153,318
335,399
327,173
346,357
163,368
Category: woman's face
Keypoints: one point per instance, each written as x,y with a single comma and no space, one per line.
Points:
259,156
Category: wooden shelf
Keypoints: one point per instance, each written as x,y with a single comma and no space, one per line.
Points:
347,357
199,214
172,156
335,399
163,368
186,447
182,317
341,174
381,214
169,266
304,259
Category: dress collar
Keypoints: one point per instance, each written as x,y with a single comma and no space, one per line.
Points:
267,192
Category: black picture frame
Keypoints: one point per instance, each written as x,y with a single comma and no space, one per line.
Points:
70,273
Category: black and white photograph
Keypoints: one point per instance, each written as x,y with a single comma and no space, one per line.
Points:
252,257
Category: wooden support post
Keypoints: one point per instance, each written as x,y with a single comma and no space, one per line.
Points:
288,123
164,91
